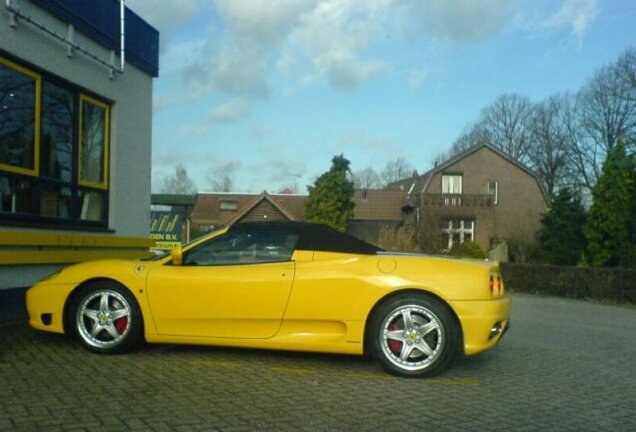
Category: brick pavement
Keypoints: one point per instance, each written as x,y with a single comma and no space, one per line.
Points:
565,366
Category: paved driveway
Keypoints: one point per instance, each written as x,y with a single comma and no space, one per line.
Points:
565,365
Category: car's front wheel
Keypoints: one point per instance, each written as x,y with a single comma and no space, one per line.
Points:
414,335
106,319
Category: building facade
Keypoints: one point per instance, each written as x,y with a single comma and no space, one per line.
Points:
76,82
479,195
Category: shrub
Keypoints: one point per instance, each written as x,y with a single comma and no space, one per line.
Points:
401,239
468,249
611,284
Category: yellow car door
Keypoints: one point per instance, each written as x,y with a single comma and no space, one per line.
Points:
233,286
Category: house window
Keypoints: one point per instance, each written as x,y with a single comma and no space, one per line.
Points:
493,191
457,231
228,205
452,185
54,146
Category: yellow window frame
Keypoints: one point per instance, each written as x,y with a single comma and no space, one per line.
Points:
105,163
35,171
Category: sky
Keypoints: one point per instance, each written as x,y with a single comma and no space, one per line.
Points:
270,90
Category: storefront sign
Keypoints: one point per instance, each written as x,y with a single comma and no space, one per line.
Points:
166,229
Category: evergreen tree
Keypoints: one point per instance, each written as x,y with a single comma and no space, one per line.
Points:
561,239
330,198
610,230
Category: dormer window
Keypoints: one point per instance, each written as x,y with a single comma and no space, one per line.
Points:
229,205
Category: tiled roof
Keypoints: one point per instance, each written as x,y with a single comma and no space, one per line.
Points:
207,210
378,204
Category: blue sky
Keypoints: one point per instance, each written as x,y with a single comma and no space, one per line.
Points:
271,90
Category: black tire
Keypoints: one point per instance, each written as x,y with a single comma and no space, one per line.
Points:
105,318
414,335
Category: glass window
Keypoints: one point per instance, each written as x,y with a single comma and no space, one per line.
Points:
56,148
19,91
17,196
228,205
93,142
493,191
451,184
243,248
53,151
55,201
456,231
92,206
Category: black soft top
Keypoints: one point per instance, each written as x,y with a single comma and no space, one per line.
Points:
312,236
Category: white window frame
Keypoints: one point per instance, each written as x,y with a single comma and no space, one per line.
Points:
463,227
452,185
496,191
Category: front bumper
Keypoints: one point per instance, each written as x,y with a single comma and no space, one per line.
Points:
479,320
45,305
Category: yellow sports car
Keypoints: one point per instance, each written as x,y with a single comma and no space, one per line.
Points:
282,285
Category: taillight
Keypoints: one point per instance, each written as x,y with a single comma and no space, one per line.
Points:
495,283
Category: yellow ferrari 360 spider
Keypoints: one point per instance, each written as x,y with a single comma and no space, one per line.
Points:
282,285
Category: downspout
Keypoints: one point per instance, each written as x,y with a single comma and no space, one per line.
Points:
122,35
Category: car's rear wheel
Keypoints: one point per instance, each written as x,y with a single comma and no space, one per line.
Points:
106,319
414,335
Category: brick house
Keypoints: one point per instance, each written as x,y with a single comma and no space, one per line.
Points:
479,194
215,209
373,208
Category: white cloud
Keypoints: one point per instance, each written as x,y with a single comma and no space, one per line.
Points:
460,21
169,14
334,38
307,40
234,110
576,15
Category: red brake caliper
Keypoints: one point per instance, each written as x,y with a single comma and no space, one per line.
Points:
121,324
395,346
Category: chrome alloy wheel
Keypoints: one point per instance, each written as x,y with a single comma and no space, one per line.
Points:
103,318
411,337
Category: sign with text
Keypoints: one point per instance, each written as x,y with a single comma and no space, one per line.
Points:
166,229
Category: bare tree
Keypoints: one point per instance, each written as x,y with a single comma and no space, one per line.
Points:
223,182
550,152
626,69
367,178
221,175
395,170
472,136
605,114
608,112
289,189
505,124
179,183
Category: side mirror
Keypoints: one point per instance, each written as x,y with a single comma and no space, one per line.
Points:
177,256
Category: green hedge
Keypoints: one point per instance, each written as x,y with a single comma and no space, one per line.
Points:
616,285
